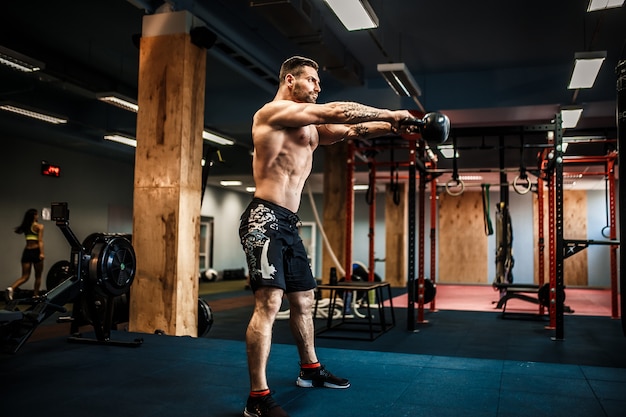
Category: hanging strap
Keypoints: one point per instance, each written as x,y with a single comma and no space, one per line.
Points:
455,186
486,215
395,184
369,195
518,182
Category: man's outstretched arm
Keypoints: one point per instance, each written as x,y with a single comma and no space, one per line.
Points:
331,133
285,113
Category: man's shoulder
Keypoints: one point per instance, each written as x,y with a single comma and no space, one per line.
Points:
276,103
271,109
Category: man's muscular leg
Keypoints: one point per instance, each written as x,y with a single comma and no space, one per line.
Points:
312,373
301,324
259,334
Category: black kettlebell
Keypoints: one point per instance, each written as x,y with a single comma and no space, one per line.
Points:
436,127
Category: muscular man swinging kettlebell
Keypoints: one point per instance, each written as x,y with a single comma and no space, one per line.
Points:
285,133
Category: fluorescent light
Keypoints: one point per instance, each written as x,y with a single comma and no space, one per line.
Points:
572,176
471,177
360,187
570,117
585,139
19,62
250,189
119,101
354,14
122,139
447,151
33,114
400,79
214,137
230,183
586,68
603,4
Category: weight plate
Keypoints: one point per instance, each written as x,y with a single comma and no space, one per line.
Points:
205,318
58,273
430,290
544,295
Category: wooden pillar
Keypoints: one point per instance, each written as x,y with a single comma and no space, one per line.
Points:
335,198
166,211
395,236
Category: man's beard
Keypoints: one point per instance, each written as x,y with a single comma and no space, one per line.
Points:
303,97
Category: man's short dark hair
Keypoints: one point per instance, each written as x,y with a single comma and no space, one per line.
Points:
294,66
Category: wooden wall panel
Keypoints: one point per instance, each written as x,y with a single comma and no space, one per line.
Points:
462,240
396,237
574,227
335,215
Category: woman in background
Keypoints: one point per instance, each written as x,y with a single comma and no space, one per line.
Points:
32,255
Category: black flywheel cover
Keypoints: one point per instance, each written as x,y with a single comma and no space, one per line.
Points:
112,265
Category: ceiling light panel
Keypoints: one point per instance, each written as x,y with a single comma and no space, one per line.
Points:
400,79
570,117
216,138
586,68
354,14
447,151
121,139
604,4
230,183
119,101
19,62
34,114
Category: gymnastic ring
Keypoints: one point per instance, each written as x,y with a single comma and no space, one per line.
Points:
457,183
519,190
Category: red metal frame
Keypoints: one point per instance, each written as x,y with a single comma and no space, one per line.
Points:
610,168
552,250
351,163
609,162
540,238
433,236
349,210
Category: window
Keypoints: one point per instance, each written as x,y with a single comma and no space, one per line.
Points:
206,243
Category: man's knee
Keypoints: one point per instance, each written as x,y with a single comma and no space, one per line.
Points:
269,299
301,302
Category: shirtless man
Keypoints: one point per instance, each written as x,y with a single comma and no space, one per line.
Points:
285,133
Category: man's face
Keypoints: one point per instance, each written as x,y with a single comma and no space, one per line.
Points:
306,87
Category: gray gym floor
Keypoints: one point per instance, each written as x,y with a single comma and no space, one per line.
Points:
461,363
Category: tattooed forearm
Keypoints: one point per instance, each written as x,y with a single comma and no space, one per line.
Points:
361,130
355,111
368,130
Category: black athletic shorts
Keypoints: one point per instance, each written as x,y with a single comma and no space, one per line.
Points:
274,251
31,256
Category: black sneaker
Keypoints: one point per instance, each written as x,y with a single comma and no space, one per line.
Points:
264,406
320,377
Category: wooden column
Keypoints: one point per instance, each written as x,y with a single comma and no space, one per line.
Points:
166,211
335,198
395,237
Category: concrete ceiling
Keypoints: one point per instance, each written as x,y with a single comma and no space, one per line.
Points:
485,64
